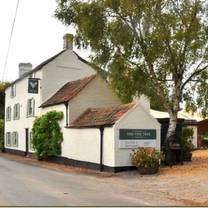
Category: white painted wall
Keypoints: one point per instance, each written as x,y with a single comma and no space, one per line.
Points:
82,144
65,68
21,97
96,94
136,118
109,147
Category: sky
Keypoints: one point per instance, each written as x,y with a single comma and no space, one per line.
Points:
37,34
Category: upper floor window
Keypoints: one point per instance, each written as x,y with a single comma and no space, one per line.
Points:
16,111
15,139
30,107
13,90
8,139
8,113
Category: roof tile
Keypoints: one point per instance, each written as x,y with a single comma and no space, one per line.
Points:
101,116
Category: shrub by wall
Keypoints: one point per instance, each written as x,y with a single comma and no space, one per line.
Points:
47,135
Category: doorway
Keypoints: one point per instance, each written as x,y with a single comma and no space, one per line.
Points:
26,142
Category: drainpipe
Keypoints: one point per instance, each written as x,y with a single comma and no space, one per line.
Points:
101,148
67,111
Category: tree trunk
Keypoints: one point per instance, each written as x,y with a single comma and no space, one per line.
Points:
171,129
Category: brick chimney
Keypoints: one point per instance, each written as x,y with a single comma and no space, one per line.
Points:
24,68
68,41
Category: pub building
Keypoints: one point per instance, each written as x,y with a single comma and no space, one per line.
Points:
99,132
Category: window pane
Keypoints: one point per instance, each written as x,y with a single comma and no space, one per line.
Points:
8,139
8,113
15,139
30,107
16,111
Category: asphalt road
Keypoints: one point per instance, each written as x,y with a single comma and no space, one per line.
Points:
22,184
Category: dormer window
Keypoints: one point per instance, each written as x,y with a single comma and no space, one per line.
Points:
13,90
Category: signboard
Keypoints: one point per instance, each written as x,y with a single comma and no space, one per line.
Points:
134,138
129,134
33,85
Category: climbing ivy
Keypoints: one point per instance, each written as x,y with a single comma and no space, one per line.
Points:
47,135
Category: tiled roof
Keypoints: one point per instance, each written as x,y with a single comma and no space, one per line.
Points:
101,116
68,91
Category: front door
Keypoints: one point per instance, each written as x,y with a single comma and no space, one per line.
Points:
26,141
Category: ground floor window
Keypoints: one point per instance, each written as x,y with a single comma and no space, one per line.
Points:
15,139
8,139
12,139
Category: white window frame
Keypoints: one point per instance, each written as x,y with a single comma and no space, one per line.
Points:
8,139
8,113
16,111
30,105
13,90
15,139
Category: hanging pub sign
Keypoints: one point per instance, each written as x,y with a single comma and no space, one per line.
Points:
134,138
33,85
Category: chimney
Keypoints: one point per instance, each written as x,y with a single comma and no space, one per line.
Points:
144,101
68,41
24,68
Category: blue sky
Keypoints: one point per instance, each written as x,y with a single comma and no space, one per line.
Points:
37,34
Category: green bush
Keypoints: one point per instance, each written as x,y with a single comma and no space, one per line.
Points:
47,135
205,138
146,157
1,134
186,139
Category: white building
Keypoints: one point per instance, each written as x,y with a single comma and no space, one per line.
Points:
21,107
99,132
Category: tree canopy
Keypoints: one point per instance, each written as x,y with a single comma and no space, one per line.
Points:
156,47
3,85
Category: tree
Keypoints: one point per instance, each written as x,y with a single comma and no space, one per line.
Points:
157,46
3,85
1,134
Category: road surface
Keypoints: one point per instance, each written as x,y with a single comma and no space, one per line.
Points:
22,184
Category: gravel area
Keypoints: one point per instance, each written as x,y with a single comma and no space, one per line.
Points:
177,185
186,184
